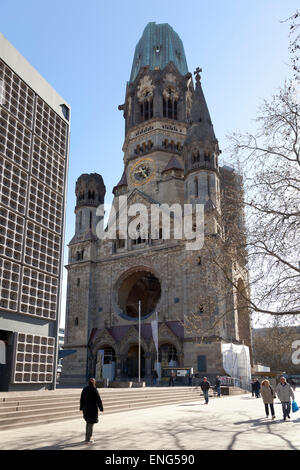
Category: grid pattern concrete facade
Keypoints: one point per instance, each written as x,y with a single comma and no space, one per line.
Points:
33,166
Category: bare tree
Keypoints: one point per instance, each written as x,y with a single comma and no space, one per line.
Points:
272,346
294,46
271,165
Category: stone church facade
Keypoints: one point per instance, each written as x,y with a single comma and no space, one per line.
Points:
170,158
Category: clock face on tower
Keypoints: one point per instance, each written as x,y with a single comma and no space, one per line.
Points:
142,171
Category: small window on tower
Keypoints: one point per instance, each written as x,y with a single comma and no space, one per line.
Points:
164,108
196,186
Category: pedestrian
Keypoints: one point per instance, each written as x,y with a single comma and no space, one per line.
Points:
154,376
285,392
268,395
256,387
218,385
252,387
205,386
171,381
90,402
293,384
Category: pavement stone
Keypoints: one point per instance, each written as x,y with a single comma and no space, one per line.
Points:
233,423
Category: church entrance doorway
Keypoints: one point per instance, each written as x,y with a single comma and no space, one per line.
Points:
133,362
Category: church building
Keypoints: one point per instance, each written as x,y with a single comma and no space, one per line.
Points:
171,160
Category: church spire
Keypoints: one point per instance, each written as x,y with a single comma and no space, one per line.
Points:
201,128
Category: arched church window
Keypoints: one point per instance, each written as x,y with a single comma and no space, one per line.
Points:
196,157
208,185
175,110
170,103
146,110
140,238
146,106
196,186
170,109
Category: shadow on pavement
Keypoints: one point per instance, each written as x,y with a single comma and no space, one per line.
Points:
71,445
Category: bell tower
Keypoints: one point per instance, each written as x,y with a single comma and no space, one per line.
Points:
201,152
156,112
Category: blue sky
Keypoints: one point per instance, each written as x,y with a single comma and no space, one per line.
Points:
84,49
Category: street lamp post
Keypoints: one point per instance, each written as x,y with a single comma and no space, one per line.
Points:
139,340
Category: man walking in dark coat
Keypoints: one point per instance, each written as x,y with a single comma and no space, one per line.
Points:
256,387
205,386
90,402
218,386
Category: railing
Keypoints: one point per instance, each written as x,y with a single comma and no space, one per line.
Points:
234,382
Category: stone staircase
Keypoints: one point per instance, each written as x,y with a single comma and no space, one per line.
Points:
25,408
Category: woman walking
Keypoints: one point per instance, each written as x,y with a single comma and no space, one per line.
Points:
90,402
268,395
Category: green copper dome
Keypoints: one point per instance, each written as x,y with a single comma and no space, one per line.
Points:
158,46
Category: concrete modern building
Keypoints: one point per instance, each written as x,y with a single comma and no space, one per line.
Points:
170,157
34,146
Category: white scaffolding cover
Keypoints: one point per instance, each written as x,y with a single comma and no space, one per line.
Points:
236,361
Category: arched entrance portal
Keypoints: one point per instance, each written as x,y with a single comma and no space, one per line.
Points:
106,363
133,362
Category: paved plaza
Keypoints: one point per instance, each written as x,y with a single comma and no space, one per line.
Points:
236,423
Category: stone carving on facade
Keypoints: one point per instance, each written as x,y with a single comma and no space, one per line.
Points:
145,88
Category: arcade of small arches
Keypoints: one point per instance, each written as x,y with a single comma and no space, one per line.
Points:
122,363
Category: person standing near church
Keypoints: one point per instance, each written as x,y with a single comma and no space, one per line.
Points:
90,402
256,388
285,392
218,386
205,386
